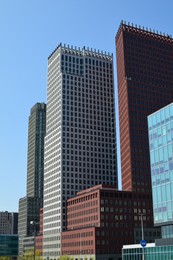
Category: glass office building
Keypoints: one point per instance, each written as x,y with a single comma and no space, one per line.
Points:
151,252
9,245
160,131
160,126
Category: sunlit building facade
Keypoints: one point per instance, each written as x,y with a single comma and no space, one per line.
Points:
80,145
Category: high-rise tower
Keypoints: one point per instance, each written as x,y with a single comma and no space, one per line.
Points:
145,84
29,206
35,162
80,145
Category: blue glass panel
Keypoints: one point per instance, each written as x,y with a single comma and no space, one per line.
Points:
169,137
171,125
170,165
152,157
164,216
166,166
159,198
154,195
158,118
160,216
168,127
171,110
150,122
161,168
162,115
150,136
171,176
156,156
170,151
163,193
167,113
154,121
169,215
168,192
160,141
167,176
161,154
164,139
165,153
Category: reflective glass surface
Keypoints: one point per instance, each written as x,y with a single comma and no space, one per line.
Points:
160,127
150,253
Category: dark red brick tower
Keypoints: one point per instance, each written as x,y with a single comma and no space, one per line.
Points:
145,84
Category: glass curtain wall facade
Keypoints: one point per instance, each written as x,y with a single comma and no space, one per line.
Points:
160,126
80,145
9,246
150,253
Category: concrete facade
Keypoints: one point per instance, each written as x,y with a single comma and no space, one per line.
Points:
80,145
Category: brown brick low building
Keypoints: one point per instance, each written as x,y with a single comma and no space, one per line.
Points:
101,219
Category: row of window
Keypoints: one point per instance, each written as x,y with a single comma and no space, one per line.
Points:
82,213
101,87
78,60
75,79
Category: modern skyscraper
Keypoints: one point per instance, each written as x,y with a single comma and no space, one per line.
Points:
35,161
80,145
145,84
29,206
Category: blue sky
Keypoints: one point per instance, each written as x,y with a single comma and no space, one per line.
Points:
29,32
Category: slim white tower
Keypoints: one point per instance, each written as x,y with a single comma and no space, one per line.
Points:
80,143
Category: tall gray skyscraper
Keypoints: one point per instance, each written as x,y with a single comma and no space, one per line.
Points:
29,206
35,162
80,142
